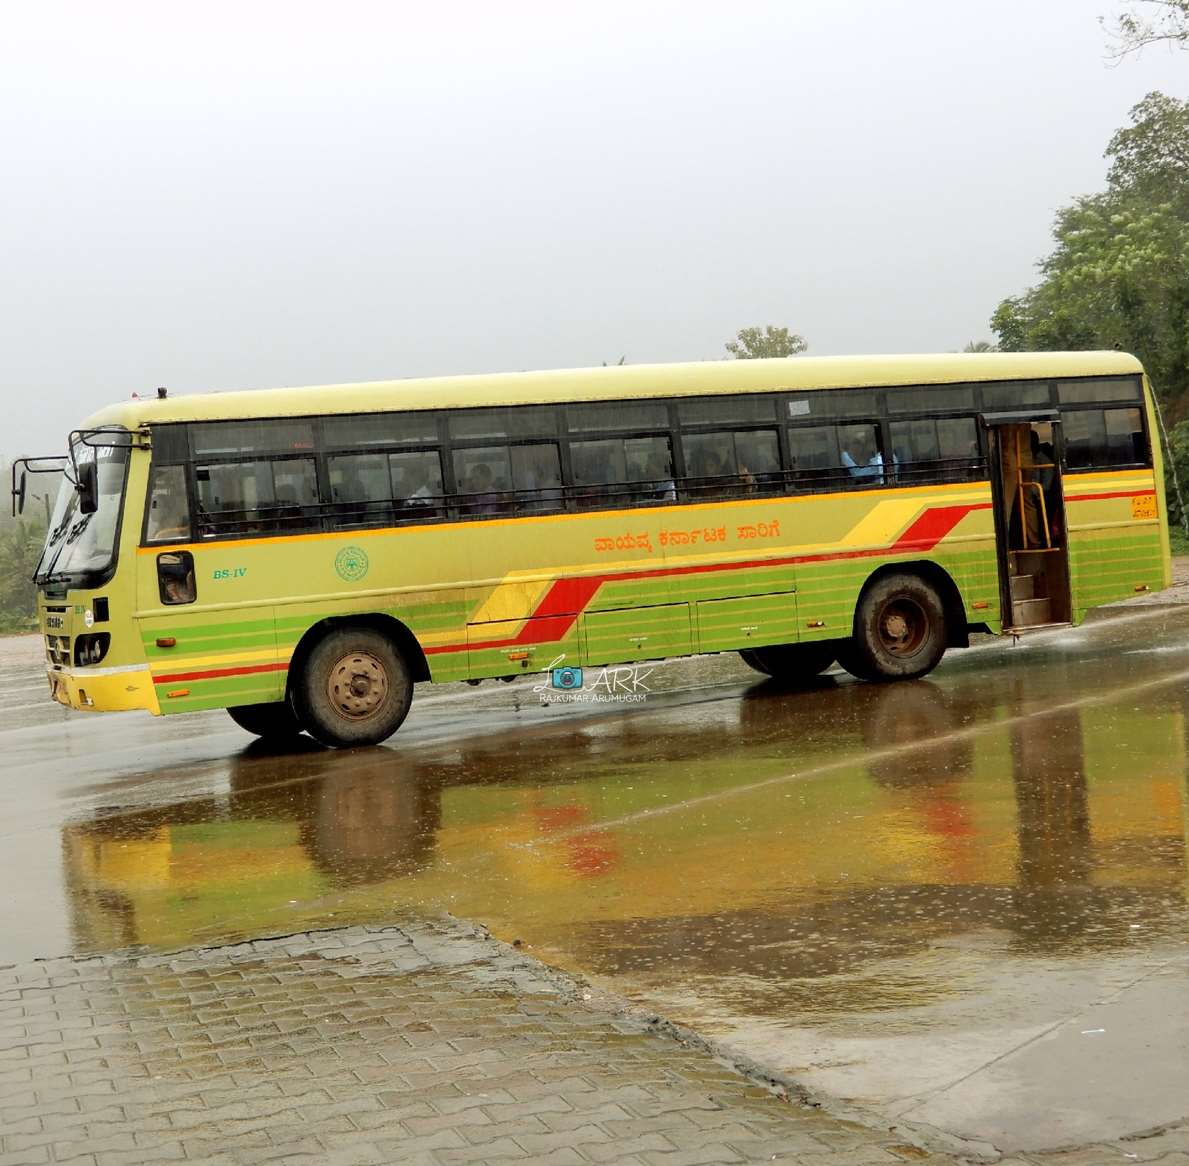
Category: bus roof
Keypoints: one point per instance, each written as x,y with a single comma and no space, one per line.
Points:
617,382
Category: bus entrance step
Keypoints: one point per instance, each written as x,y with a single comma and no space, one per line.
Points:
1027,613
1023,587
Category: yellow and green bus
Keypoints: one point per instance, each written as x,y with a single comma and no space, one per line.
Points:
304,557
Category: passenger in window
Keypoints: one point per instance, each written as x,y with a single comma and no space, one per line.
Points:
866,462
484,500
660,478
538,487
415,486
708,477
168,519
592,473
287,512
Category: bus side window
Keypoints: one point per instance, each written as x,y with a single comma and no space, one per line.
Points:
175,578
360,491
813,456
915,452
536,474
169,508
417,484
860,454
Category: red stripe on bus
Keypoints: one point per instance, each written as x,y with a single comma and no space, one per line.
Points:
567,598
1113,494
214,673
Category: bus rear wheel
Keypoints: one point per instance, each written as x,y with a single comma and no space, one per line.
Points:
792,662
272,722
899,630
354,689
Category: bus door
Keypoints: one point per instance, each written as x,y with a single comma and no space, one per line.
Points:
1031,535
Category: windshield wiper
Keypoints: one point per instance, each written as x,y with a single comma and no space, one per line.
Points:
78,528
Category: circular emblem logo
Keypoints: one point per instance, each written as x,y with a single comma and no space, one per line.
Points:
351,564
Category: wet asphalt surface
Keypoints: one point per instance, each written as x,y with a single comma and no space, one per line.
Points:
959,903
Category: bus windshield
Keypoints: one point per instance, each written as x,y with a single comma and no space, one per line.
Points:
80,546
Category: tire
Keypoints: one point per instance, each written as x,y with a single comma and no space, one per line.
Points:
792,662
271,722
354,688
899,631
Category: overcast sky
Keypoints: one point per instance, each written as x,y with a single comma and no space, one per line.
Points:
238,194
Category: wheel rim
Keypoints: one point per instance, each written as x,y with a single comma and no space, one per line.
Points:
903,626
357,686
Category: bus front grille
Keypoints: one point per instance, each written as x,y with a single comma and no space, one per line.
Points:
57,650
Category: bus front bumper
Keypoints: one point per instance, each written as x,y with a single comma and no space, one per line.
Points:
104,689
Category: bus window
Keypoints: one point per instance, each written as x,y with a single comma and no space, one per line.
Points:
914,450
371,429
515,422
813,455
623,471
536,474
1015,395
617,415
757,459
732,410
1098,390
484,479
169,508
1125,437
237,498
723,464
932,399
1085,438
417,483
232,437
957,446
859,452
359,488
1101,438
649,465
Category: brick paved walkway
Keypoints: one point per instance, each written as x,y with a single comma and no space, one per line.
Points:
425,1043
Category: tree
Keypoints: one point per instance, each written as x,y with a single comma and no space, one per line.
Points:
759,343
981,346
20,548
1158,21
1118,275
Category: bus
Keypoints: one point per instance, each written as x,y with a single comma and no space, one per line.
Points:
303,557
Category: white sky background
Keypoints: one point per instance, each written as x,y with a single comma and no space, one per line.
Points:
221,194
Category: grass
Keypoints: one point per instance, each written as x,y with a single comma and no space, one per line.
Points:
1178,541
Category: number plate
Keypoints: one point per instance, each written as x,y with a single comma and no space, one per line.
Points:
1143,506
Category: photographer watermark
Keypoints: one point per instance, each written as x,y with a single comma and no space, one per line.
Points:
620,684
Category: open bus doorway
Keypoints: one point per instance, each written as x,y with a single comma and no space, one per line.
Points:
1030,527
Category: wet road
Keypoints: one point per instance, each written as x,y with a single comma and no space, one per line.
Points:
959,903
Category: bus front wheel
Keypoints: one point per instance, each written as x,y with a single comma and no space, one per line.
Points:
354,689
899,630
272,722
792,662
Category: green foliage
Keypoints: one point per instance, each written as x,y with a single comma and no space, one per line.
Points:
1176,456
1118,276
1156,21
20,547
981,346
759,343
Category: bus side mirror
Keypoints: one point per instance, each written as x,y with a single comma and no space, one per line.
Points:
18,495
88,488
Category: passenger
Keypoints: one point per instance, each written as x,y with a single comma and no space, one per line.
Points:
591,471
415,484
540,489
867,461
660,478
480,484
